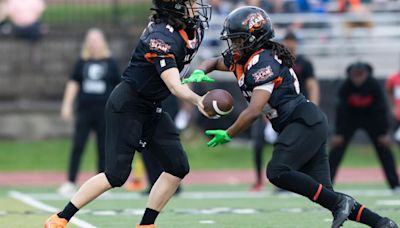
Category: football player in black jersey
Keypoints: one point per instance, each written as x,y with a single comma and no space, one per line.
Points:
263,69
134,116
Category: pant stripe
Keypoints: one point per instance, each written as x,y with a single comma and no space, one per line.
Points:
359,213
318,192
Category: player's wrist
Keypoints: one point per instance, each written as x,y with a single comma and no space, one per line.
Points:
227,135
199,71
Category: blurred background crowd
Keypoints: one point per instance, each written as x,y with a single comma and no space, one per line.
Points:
44,49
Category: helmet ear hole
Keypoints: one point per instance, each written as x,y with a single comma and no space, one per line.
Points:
178,7
252,38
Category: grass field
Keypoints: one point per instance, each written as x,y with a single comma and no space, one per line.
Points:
53,155
198,206
94,13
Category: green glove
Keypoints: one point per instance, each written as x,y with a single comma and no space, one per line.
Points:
220,137
197,76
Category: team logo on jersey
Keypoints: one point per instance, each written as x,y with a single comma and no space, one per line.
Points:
263,74
159,46
254,21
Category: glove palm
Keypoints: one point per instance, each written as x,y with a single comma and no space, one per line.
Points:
197,76
220,137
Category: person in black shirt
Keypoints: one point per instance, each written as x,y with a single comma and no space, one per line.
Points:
134,116
263,69
362,105
95,75
304,70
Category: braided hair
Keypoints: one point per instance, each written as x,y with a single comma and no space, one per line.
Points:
160,17
282,52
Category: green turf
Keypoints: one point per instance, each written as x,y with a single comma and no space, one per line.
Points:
54,155
95,13
269,211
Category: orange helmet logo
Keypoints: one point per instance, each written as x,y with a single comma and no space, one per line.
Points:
255,21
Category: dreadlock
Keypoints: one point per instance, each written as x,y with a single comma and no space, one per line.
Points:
282,52
160,17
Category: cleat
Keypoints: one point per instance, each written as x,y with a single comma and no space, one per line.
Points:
146,226
396,190
135,186
55,222
279,191
67,189
257,187
386,223
342,210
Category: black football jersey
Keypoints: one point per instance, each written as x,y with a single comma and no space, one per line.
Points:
265,71
160,48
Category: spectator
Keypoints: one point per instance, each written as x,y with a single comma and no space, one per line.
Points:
94,77
311,6
266,5
25,17
362,105
220,7
304,70
393,91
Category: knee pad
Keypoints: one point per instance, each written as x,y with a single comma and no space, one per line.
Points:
179,170
275,170
116,181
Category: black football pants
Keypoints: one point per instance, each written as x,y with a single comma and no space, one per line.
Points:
86,121
300,150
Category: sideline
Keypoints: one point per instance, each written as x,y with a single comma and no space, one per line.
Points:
44,207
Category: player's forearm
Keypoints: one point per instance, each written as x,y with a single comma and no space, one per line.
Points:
244,121
312,87
183,92
212,64
71,91
314,95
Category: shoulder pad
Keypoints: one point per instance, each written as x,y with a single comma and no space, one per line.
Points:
261,68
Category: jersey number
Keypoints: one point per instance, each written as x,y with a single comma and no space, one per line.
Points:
296,81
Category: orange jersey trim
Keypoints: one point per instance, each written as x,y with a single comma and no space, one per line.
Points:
252,56
149,56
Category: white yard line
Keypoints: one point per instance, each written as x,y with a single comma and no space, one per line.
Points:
44,207
215,195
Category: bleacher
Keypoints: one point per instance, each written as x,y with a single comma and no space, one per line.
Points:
27,89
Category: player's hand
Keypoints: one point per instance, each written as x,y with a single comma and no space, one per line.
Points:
200,106
67,114
220,137
197,76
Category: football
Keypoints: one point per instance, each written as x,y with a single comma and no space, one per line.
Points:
218,102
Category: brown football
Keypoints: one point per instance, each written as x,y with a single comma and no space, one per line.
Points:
218,102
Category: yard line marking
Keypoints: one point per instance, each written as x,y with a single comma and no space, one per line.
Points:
217,195
206,222
44,207
388,202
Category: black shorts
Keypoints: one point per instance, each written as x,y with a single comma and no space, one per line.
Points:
133,123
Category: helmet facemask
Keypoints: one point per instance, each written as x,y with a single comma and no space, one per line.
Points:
241,45
197,13
194,13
